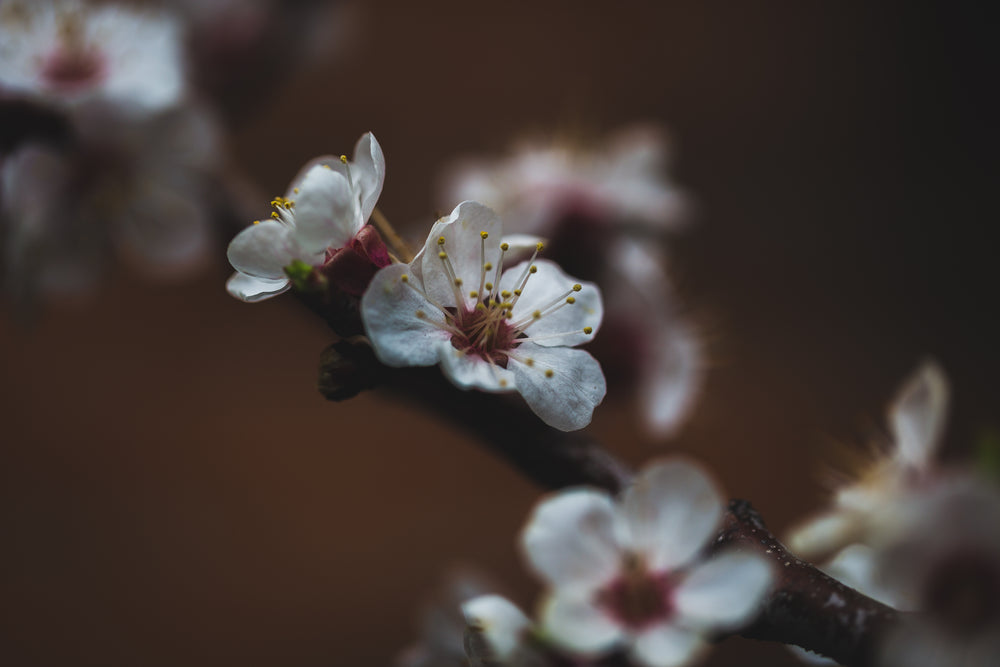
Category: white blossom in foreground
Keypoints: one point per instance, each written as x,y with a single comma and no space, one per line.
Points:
603,209
66,52
490,326
629,573
916,421
325,208
496,632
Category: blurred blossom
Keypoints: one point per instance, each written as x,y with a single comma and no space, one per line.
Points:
916,420
604,212
133,187
442,624
490,327
942,558
319,224
67,53
497,633
632,573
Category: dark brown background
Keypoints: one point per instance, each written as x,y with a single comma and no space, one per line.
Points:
174,490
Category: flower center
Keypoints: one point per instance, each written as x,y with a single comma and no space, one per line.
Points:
638,598
73,65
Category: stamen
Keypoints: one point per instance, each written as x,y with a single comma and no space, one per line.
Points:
551,307
482,259
456,282
347,168
504,247
549,372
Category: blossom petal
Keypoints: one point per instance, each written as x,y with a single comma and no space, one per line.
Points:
671,511
577,624
465,250
569,540
671,382
326,211
725,592
667,645
390,310
549,286
263,250
250,289
499,622
471,371
560,384
917,416
368,173
826,532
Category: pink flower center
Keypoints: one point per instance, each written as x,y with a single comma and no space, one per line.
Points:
485,331
73,69
639,597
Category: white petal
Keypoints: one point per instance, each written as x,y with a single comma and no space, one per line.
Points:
250,289
671,381
547,287
470,371
464,247
368,173
577,624
389,310
725,592
825,532
857,566
565,399
499,621
667,645
917,415
569,539
326,211
672,511
263,250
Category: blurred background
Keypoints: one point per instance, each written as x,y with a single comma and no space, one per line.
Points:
174,489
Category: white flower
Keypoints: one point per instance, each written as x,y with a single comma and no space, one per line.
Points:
497,630
138,187
66,52
916,420
629,572
601,210
490,326
539,184
325,207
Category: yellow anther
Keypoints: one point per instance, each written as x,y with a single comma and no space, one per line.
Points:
440,240
405,278
480,306
421,314
571,299
505,294
487,266
577,287
489,286
274,214
529,361
505,247
539,246
325,166
343,158
533,269
443,255
484,235
503,383
256,222
588,330
549,372
506,305
295,190
537,314
517,292
473,294
458,282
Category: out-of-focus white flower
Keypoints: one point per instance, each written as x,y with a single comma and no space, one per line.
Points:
601,210
325,208
916,420
536,187
139,191
496,632
942,558
490,326
629,573
65,52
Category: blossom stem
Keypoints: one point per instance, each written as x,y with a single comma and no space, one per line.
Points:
385,228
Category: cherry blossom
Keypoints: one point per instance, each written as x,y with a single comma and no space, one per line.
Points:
490,326
323,212
631,573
